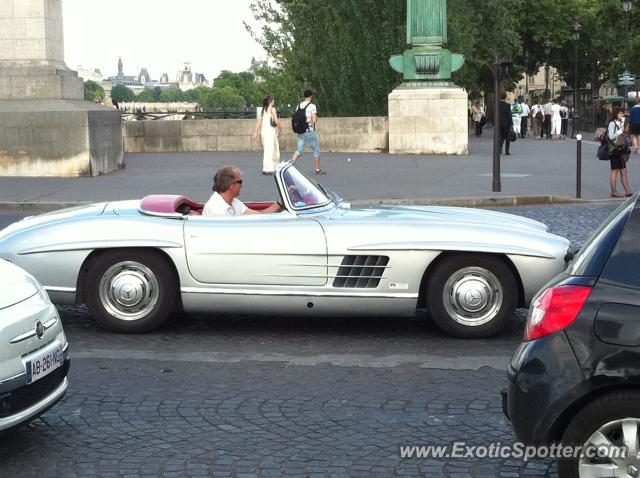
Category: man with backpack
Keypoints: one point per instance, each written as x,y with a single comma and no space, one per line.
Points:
304,125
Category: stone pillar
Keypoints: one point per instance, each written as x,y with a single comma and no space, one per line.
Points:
46,128
428,120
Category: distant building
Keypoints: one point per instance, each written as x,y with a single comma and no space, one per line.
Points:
122,79
144,77
93,74
187,80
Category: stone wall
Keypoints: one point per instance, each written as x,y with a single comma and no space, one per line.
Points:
353,135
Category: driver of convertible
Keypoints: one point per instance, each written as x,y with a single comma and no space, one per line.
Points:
227,185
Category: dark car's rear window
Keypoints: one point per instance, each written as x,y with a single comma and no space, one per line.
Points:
593,256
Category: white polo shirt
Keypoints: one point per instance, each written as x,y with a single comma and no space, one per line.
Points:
217,206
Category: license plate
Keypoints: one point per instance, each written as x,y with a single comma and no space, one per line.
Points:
41,364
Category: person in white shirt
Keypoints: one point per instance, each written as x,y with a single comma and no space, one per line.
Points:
524,121
310,136
227,185
556,120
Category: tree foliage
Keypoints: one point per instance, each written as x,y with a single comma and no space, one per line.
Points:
122,94
340,48
93,90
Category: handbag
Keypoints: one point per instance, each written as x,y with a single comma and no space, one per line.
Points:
512,136
272,122
483,121
603,151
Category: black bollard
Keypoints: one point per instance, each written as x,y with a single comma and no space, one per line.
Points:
579,166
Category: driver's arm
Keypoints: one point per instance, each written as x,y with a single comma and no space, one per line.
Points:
274,207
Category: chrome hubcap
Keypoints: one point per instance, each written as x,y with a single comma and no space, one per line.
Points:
472,296
605,459
129,290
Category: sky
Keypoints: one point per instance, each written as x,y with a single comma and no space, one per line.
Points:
159,35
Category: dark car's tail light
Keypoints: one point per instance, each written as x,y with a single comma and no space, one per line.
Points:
555,309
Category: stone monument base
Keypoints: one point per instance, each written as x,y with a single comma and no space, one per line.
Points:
428,120
59,138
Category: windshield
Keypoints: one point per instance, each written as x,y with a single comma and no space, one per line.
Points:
302,191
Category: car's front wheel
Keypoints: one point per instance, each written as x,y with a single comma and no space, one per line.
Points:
130,291
606,436
471,295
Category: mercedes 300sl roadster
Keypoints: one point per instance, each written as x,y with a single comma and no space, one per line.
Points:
134,262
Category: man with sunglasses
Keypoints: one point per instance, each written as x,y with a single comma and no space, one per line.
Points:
227,185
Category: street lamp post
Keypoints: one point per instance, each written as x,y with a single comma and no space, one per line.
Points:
575,29
547,49
627,5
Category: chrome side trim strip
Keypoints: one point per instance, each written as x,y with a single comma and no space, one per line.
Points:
60,289
102,244
216,290
453,246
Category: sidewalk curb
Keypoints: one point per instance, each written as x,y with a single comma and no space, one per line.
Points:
507,201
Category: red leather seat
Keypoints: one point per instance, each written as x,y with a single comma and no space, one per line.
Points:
168,203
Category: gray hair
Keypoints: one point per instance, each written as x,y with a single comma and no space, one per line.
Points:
224,178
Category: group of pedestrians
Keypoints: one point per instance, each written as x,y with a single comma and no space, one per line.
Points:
548,119
269,127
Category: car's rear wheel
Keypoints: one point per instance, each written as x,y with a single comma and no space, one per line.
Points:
604,426
131,291
471,295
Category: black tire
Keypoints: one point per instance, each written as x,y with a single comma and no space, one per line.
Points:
471,295
603,414
131,290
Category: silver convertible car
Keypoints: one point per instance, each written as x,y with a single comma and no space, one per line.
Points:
134,262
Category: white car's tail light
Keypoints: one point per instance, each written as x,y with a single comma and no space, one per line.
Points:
555,309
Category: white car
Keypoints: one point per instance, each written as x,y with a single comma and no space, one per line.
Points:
34,352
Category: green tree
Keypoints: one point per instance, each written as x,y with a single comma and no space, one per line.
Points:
93,90
170,95
146,96
225,97
244,83
122,94
338,48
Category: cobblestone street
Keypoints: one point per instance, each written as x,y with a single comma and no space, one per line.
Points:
269,396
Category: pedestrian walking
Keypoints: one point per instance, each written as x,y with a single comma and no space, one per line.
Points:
564,117
634,126
478,116
268,123
516,112
506,124
305,128
619,153
524,118
556,120
547,118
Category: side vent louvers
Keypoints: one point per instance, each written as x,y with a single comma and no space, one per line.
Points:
360,271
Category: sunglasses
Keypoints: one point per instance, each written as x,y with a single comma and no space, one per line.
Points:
238,181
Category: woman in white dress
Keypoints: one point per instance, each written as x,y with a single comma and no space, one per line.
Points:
269,126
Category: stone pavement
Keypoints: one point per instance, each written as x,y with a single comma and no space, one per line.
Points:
540,168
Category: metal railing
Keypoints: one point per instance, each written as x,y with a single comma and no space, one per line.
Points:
223,113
